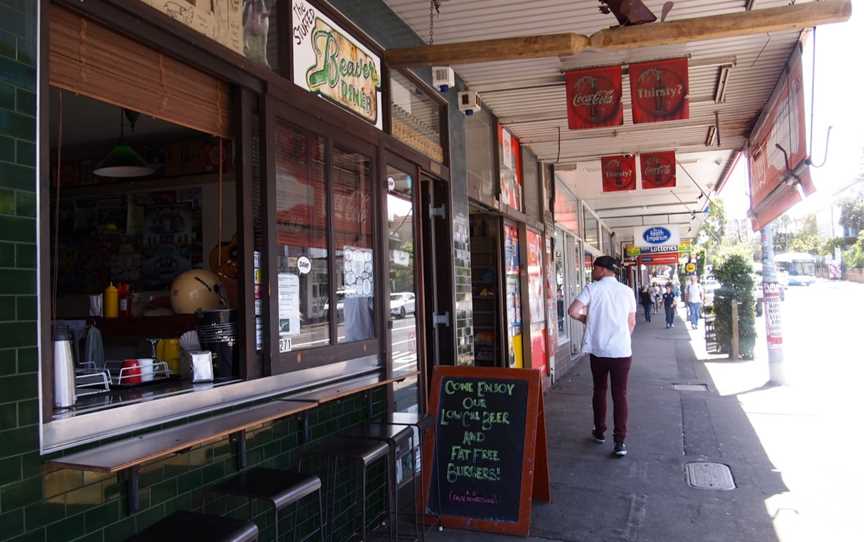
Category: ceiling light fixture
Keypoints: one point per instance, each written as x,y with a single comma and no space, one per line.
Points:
123,162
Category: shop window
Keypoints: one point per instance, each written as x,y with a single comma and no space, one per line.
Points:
480,156
513,289
415,116
592,227
561,285
352,225
301,238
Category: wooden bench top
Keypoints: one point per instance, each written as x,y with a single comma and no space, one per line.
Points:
132,452
345,388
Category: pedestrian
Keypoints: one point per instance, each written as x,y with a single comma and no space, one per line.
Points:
608,310
655,292
646,299
669,305
695,298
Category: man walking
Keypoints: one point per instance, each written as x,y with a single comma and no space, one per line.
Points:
695,298
669,305
608,310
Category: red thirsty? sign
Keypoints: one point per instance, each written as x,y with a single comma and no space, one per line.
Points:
619,173
660,90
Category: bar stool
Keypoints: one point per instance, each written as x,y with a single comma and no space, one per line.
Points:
280,488
362,453
399,440
184,526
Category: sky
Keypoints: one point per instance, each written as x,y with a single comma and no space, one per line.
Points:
839,102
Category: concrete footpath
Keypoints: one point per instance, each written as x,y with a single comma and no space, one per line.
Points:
646,496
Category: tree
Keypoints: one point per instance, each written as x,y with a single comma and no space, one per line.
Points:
852,215
736,278
714,227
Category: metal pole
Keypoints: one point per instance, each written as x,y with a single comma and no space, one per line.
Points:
773,321
735,354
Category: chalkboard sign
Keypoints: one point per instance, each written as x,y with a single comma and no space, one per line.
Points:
488,424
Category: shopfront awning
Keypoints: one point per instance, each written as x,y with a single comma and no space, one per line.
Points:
730,81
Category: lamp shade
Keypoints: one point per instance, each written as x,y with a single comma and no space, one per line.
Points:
123,162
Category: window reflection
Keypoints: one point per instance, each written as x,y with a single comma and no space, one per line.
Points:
301,210
352,225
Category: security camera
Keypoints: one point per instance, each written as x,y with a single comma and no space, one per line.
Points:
469,102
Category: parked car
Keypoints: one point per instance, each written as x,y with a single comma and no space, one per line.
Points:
401,304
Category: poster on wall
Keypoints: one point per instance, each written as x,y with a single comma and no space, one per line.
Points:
660,90
619,173
329,62
512,270
594,98
511,169
782,128
536,300
657,169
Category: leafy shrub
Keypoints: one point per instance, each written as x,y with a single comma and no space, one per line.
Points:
736,279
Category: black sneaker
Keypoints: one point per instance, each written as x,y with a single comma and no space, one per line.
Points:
599,438
620,449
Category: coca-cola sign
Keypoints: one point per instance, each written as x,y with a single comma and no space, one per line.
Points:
658,169
619,173
660,90
594,98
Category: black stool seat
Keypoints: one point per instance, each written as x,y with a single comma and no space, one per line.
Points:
184,526
367,451
281,487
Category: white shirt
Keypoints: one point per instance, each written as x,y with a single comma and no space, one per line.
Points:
694,293
607,331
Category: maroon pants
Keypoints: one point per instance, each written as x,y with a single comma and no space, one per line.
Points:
618,368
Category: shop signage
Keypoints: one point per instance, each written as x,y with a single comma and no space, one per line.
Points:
619,173
219,20
659,90
670,258
328,61
658,249
685,246
657,236
690,268
781,129
594,98
658,169
488,448
632,251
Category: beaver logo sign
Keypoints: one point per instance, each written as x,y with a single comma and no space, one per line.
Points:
660,90
328,61
594,98
619,173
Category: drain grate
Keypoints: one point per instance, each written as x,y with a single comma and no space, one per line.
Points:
690,387
710,476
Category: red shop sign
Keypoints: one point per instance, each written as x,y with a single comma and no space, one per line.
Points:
668,258
619,173
594,98
658,169
660,90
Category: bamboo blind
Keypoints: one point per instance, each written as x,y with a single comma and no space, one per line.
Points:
89,59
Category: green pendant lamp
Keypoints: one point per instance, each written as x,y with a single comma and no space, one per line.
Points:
123,162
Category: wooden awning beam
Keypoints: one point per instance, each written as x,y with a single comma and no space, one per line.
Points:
795,17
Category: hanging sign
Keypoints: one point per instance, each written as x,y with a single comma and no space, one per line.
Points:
690,268
594,98
619,173
670,258
487,450
658,169
328,61
657,236
659,90
781,125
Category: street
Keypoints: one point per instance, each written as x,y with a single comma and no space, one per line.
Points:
810,429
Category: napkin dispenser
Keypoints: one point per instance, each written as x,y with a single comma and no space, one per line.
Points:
198,364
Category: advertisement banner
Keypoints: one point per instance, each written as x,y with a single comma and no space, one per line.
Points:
660,90
670,258
657,236
780,129
328,61
511,168
536,300
594,98
658,169
619,173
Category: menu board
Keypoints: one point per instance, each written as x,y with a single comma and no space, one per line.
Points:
488,451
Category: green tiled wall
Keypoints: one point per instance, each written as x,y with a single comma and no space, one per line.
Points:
40,504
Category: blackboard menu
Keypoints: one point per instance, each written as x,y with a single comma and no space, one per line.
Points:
479,448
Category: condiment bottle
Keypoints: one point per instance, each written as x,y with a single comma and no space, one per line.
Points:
124,299
111,303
